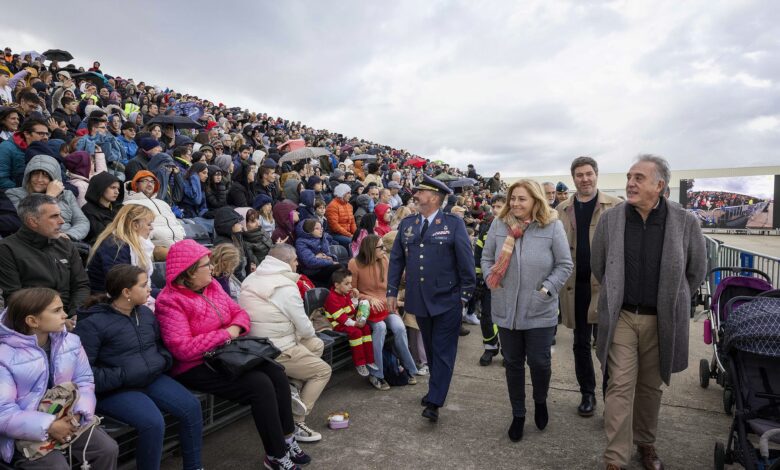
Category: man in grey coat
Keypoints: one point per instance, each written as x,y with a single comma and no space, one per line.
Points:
643,315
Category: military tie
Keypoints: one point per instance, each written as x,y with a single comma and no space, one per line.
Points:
424,228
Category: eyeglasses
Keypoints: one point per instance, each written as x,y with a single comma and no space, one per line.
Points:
207,265
41,133
146,181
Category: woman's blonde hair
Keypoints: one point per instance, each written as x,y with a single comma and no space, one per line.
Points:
225,258
541,212
124,229
399,215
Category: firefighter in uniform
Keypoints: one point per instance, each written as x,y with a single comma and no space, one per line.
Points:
489,329
434,250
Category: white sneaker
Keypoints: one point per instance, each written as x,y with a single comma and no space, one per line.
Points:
372,366
304,433
362,370
298,406
471,319
423,370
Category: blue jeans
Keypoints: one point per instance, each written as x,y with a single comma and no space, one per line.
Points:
401,343
142,409
342,240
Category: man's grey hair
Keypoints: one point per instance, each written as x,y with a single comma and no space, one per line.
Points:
548,183
662,171
282,252
30,206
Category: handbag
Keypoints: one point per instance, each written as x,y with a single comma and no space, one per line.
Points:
241,355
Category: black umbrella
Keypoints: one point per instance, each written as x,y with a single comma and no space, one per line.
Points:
58,55
93,77
179,122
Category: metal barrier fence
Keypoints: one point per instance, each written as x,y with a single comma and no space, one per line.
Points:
722,255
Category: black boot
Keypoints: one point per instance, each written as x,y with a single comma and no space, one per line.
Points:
540,415
516,429
587,406
487,357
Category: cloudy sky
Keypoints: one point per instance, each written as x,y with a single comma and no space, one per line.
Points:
521,87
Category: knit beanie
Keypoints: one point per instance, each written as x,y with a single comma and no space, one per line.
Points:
341,190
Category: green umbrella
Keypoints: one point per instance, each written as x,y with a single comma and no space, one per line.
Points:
446,177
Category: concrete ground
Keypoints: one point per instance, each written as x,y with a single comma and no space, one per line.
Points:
387,431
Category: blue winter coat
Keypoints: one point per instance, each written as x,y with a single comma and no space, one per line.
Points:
107,255
307,246
125,351
24,375
194,201
11,165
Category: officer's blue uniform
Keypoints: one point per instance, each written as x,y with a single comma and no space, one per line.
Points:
440,276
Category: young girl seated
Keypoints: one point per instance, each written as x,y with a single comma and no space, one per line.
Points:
33,336
340,310
122,340
225,258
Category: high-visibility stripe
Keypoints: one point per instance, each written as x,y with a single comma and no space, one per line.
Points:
367,339
480,243
334,324
339,312
495,333
479,270
355,342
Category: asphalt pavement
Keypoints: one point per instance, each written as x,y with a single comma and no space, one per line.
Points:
387,431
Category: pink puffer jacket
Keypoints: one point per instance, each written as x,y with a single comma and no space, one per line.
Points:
194,323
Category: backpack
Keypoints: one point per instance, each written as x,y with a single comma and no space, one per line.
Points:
395,375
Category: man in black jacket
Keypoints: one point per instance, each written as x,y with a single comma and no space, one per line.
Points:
39,256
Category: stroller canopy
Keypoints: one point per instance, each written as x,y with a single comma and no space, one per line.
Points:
754,327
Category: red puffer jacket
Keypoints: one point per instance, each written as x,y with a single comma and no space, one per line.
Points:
194,323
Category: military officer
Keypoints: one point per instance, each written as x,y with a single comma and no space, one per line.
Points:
434,249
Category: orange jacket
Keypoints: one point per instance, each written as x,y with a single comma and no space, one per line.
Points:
340,217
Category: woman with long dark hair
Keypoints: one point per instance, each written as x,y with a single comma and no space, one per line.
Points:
122,340
369,276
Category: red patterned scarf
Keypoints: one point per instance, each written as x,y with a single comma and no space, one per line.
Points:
516,230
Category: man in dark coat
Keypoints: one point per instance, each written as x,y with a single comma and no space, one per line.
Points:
39,256
435,251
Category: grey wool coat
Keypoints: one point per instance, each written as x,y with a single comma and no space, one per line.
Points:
540,259
683,267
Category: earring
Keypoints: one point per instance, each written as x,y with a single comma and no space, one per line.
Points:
128,299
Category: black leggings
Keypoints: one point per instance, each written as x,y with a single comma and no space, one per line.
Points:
321,276
265,389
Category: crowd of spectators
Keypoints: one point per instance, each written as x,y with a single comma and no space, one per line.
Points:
97,185
709,200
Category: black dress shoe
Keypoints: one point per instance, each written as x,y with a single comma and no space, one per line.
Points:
431,412
540,415
516,429
487,357
587,406
463,331
424,401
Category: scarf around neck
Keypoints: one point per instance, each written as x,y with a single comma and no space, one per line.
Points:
516,230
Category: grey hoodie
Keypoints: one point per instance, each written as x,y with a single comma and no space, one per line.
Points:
76,225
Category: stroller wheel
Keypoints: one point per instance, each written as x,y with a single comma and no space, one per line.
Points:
720,456
704,373
728,400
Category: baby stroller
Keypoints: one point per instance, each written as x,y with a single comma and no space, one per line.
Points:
752,344
740,282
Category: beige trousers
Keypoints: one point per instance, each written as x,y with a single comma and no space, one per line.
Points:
303,364
633,397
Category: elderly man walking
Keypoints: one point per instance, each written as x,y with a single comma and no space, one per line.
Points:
643,315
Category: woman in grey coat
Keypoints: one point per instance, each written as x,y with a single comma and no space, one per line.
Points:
525,262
